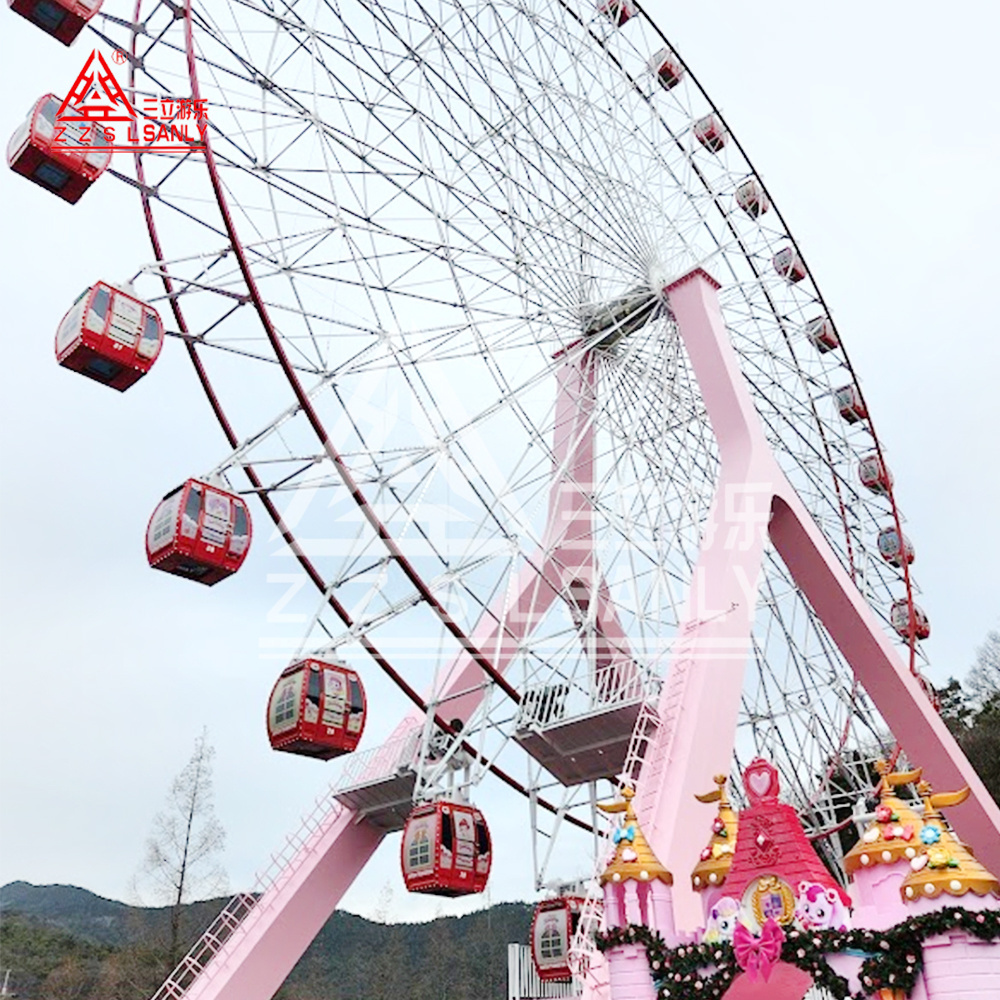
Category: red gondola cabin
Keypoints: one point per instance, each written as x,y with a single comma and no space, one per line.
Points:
62,19
890,549
552,930
199,531
109,335
751,198
619,11
850,404
788,264
875,475
711,133
65,165
821,334
446,849
667,67
316,709
899,618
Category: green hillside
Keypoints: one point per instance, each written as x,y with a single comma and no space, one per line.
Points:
65,943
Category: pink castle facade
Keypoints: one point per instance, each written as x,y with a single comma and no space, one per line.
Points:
759,878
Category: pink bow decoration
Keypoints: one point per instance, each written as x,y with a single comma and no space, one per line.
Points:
757,956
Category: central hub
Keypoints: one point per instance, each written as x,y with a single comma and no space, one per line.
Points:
607,322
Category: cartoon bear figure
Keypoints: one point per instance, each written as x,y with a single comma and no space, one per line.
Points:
722,920
819,908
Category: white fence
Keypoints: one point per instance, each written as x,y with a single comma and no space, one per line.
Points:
523,982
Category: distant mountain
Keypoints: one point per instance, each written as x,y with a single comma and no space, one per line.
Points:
69,908
33,952
55,937
86,915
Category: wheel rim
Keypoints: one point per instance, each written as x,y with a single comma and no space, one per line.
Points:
484,215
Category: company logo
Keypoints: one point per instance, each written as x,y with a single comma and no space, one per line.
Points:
97,113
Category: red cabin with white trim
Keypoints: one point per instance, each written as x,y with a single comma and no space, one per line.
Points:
316,709
199,531
109,335
850,404
788,264
899,618
711,133
62,19
751,198
552,930
66,168
820,333
619,11
667,67
446,849
875,475
890,549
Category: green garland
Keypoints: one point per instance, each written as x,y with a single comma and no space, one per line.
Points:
893,958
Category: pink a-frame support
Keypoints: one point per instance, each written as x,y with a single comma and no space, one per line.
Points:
700,701
258,956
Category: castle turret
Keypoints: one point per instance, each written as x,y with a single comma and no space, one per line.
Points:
943,866
636,892
943,875
880,860
709,875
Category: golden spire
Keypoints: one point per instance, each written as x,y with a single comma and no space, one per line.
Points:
713,867
634,858
943,863
894,834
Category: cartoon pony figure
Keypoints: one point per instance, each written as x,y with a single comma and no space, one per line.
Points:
820,908
722,919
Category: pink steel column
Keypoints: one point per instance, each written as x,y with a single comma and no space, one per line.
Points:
566,566
700,701
255,961
569,535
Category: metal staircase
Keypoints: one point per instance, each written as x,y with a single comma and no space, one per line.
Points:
242,911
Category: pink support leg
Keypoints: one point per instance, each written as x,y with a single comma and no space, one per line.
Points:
259,955
571,563
700,701
565,567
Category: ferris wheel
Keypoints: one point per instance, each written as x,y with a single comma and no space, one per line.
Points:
422,271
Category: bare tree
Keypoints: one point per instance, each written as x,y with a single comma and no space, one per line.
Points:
384,905
182,850
984,677
71,980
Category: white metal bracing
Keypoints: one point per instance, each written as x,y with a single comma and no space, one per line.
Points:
439,202
435,199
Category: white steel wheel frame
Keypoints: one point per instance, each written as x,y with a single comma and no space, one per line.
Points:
434,204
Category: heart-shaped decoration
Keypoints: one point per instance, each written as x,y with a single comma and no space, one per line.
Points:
629,854
760,782
920,861
871,835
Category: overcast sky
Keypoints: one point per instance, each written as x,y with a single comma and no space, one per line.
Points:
875,126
